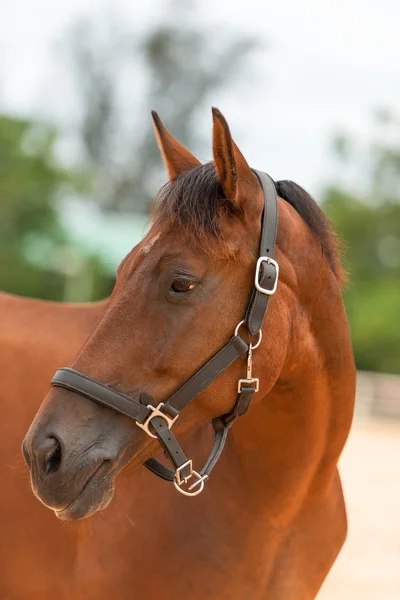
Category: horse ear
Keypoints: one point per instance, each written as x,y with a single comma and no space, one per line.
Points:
238,181
176,157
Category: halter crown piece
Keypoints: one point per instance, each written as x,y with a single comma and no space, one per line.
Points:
157,421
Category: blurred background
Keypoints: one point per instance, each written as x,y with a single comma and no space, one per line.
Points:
311,91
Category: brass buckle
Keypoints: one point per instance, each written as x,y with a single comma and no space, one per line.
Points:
156,412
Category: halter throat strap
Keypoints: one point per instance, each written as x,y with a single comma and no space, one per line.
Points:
157,421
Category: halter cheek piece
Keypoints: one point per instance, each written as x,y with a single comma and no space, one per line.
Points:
162,417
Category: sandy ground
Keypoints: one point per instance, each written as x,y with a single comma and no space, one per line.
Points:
368,568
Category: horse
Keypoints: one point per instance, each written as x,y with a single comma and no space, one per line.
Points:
36,336
271,518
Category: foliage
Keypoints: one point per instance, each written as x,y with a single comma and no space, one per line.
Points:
31,184
30,181
369,223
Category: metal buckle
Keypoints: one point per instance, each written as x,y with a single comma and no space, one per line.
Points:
178,476
156,412
179,480
269,261
242,382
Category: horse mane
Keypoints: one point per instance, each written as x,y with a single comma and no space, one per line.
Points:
194,200
316,220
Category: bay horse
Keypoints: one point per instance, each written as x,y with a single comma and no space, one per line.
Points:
36,336
270,520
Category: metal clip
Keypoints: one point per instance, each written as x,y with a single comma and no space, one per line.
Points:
249,379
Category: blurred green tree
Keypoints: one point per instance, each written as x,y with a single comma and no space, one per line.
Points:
368,220
33,243
120,74
30,181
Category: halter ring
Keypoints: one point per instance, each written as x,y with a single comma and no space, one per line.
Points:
238,326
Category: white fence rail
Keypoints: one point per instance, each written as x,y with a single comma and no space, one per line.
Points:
378,395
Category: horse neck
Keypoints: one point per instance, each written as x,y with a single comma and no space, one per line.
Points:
290,441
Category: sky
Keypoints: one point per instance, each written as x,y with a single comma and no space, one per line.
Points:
325,67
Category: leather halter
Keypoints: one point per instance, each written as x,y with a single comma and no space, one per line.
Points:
162,417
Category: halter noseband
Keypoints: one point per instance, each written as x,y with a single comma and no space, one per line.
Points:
163,416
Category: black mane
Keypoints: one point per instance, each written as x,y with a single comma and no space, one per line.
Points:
194,200
313,216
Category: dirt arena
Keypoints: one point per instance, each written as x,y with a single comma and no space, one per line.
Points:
368,567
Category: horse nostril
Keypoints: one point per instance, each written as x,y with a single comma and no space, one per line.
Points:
49,456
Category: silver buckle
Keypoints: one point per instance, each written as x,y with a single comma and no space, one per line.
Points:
250,380
269,261
179,480
178,474
156,412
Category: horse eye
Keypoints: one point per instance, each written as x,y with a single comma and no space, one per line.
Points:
180,286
